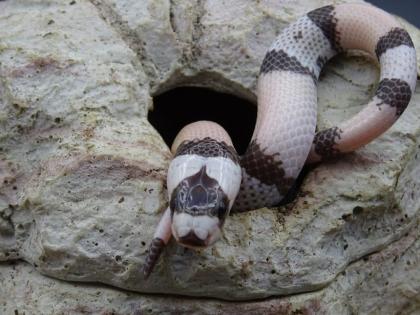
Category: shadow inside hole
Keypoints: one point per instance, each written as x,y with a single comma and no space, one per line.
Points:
178,107
293,192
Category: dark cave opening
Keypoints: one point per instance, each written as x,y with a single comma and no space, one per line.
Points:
178,107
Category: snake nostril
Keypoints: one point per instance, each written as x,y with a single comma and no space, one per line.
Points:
236,115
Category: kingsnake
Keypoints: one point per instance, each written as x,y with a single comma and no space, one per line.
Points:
206,177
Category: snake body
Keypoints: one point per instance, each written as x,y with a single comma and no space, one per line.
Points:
206,178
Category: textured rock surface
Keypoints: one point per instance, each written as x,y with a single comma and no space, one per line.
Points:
82,171
370,285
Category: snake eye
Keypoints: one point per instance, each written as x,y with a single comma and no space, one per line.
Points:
214,212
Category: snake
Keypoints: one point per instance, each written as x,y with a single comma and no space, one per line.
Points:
206,178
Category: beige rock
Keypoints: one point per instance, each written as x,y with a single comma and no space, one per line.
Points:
82,172
372,285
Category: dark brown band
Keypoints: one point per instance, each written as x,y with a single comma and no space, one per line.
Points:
276,60
394,38
325,19
267,168
208,147
325,142
395,93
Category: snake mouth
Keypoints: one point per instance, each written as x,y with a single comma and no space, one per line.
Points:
195,231
192,240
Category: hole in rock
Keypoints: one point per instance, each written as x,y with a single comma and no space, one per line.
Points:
357,210
178,107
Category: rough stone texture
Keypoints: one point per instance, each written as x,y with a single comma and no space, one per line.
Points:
82,172
371,285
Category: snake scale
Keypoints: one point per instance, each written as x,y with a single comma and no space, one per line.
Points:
206,177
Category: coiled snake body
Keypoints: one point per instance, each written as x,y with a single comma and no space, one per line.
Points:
206,178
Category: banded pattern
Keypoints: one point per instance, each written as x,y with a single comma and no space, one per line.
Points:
279,60
394,38
326,140
302,49
204,177
284,133
267,168
395,93
326,20
208,147
373,30
262,174
300,46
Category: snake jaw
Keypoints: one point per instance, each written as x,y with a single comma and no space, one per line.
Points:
195,231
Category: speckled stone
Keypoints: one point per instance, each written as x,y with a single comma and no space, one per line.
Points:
376,284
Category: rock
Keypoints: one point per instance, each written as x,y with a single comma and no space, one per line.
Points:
82,172
363,288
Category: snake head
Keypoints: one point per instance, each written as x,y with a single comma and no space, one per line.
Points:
199,208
